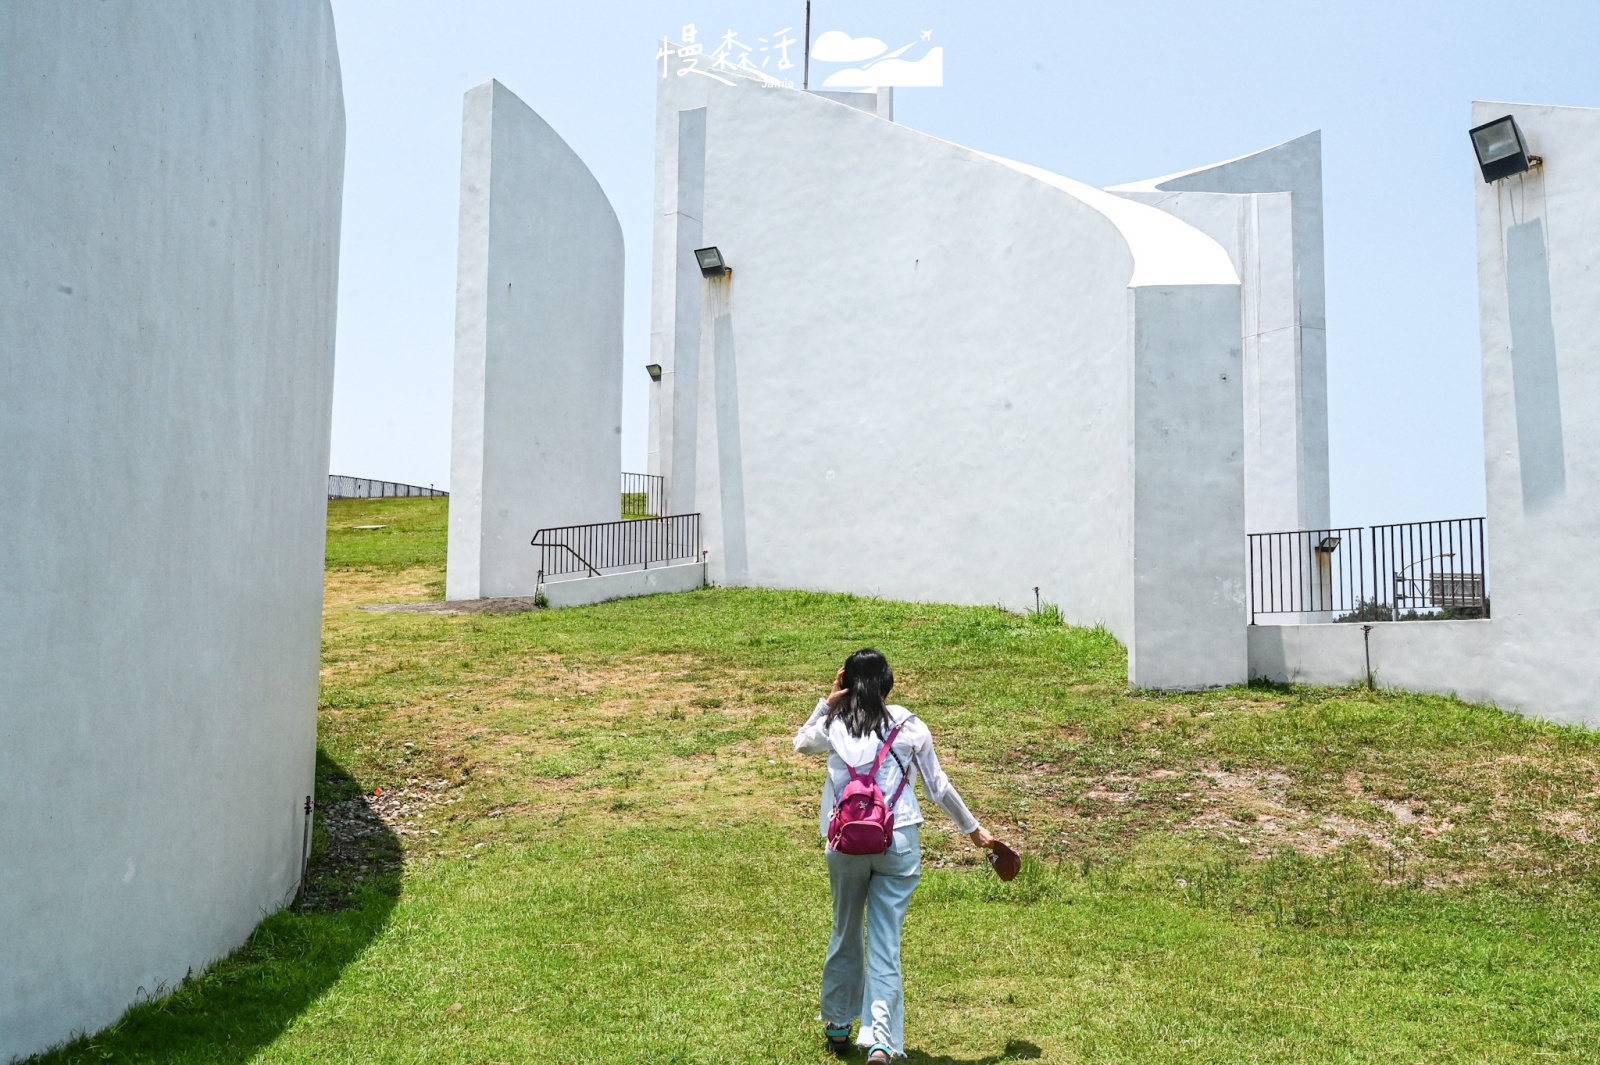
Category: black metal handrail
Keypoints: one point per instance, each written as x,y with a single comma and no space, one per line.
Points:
581,560
643,495
1402,572
617,546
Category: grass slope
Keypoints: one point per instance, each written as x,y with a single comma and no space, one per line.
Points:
610,852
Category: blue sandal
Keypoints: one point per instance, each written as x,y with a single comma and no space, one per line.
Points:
838,1039
880,1054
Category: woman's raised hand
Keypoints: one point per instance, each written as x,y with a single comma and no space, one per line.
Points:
836,696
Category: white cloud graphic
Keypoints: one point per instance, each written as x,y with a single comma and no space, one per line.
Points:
836,46
927,72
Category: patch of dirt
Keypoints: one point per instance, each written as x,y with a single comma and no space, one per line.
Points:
1569,825
1250,806
342,587
539,705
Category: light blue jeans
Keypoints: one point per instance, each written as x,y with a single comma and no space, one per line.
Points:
861,977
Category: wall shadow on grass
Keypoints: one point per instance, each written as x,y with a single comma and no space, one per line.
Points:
245,1001
1015,1050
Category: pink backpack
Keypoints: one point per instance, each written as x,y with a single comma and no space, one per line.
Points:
862,823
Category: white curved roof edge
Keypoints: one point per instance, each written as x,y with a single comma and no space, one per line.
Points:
1155,184
1166,250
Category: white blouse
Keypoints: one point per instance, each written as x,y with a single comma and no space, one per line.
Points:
914,748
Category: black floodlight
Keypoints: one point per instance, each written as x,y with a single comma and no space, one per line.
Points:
711,262
654,370
1329,544
1501,149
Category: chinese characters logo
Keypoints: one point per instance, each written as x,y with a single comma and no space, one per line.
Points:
860,62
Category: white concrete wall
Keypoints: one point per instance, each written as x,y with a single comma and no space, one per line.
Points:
168,255
536,435
1446,657
1539,307
1266,209
586,591
920,379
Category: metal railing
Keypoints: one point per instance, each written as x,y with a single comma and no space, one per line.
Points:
366,488
1432,566
1308,571
617,546
1411,571
643,495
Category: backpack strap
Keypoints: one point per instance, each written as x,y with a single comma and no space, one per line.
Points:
905,778
884,752
904,781
877,764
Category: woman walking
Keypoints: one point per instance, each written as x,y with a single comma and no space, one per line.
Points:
875,751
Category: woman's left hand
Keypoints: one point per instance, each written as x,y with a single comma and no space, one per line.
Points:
836,696
981,837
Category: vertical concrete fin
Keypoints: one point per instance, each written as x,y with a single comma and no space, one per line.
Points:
536,439
689,227
465,547
720,478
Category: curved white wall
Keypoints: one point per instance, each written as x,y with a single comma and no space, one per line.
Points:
938,375
536,431
171,176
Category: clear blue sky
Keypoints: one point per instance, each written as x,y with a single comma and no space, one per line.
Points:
1104,93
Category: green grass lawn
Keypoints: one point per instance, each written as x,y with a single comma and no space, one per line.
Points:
607,851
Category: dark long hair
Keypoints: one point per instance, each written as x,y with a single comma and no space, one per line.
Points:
869,680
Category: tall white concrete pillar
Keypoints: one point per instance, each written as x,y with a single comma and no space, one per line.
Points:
171,182
1539,310
675,339
536,437
1266,209
1187,441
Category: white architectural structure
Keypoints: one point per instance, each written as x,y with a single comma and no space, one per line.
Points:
1266,209
536,434
937,375
171,178
1539,303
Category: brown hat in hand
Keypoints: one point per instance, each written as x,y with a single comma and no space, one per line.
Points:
1007,862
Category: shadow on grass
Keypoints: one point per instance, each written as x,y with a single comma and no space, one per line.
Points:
1016,1050
245,1001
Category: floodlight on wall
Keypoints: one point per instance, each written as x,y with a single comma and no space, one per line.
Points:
1501,150
711,262
1329,544
654,370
